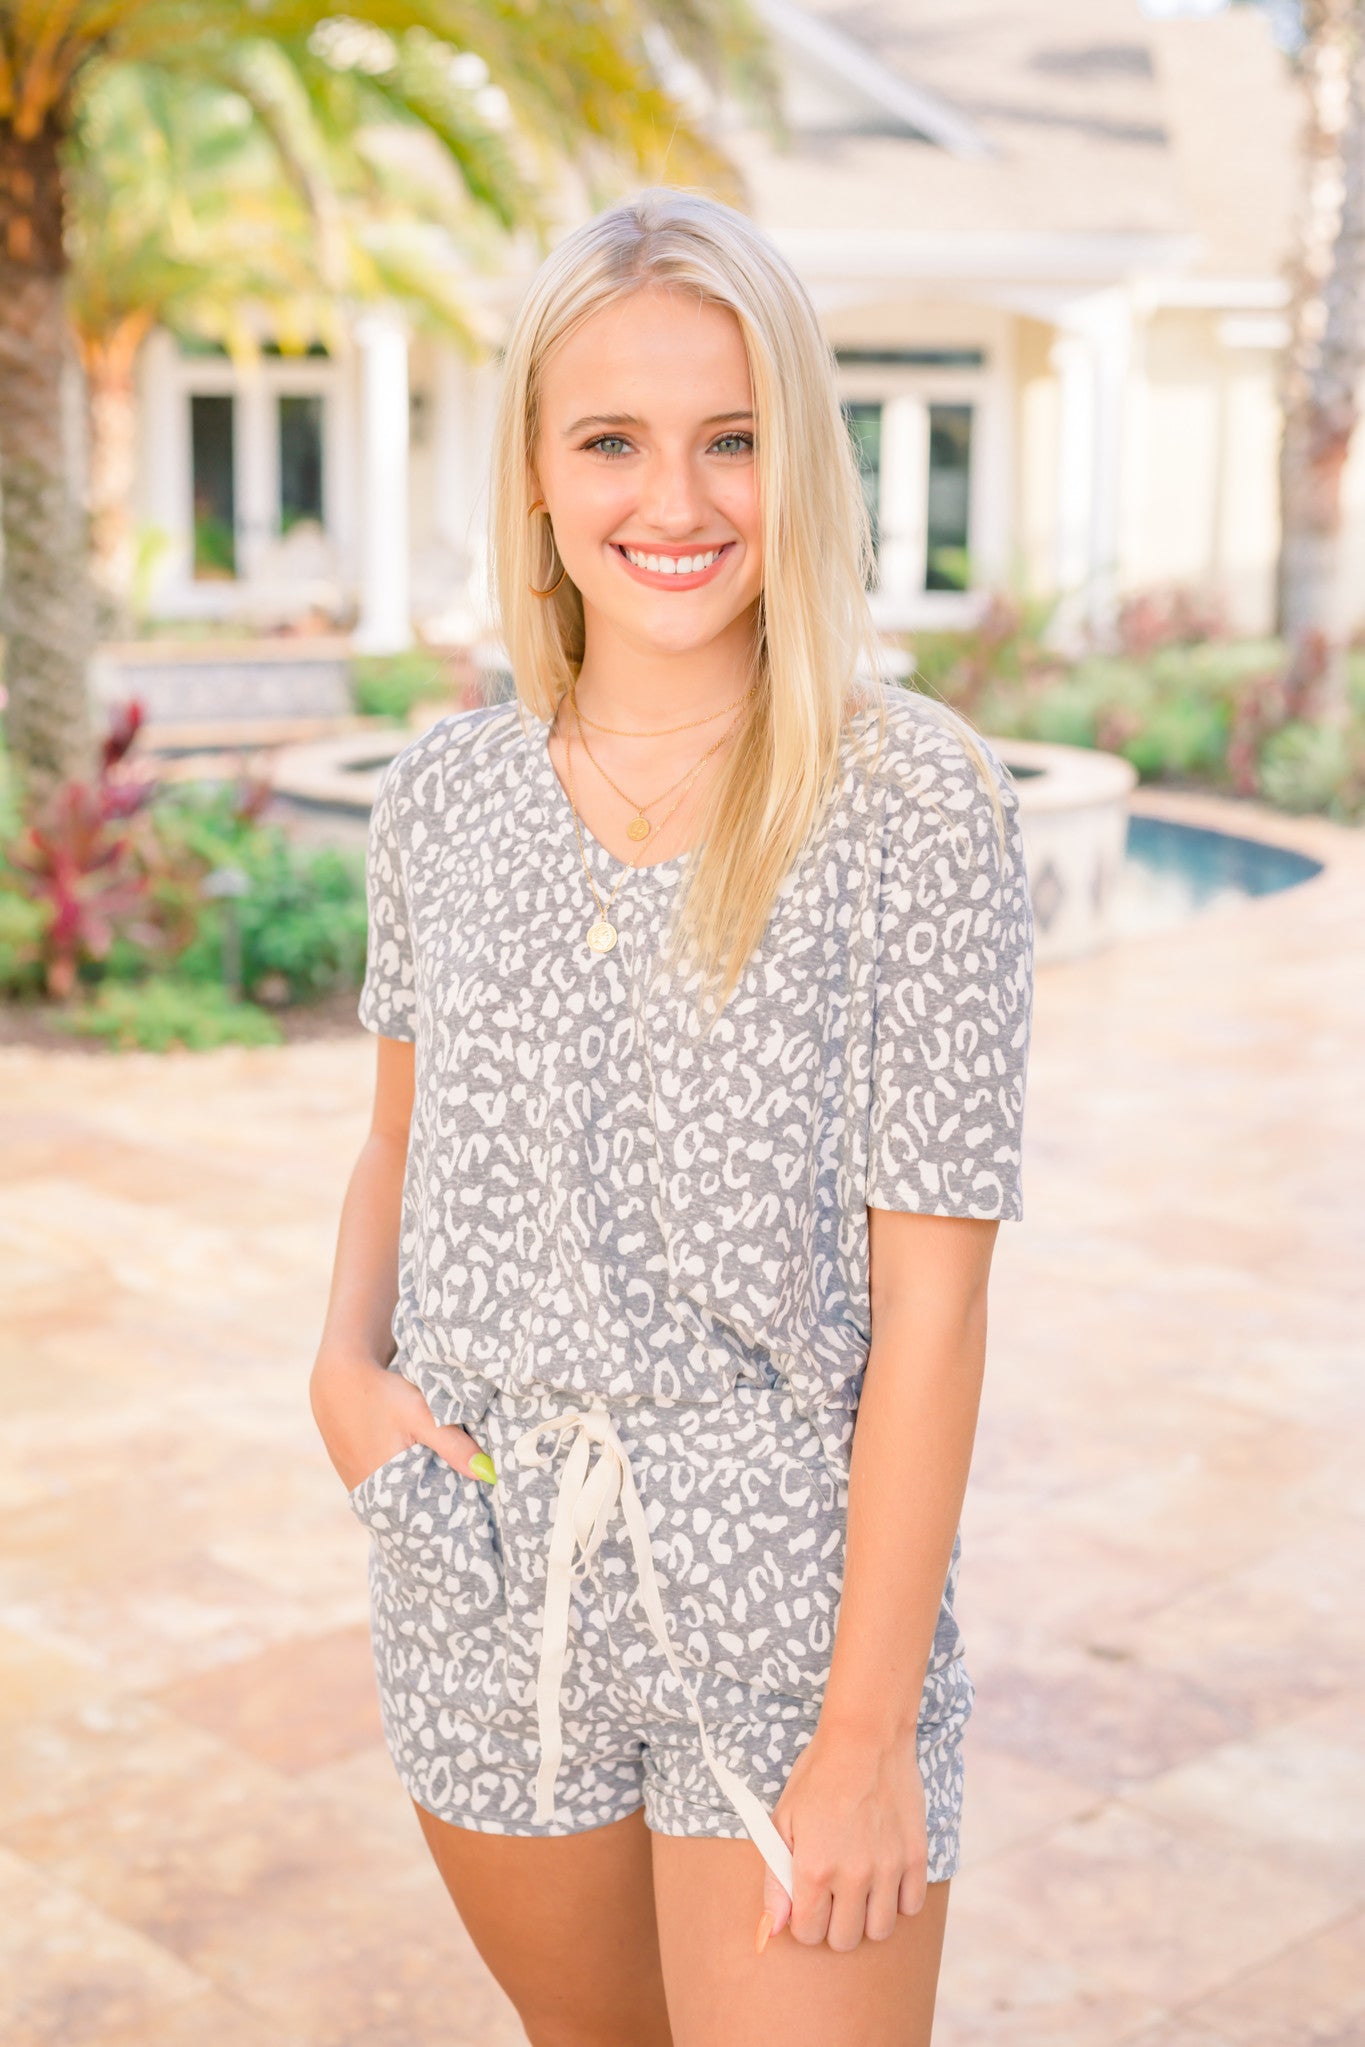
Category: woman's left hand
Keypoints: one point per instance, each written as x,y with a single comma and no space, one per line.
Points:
853,1816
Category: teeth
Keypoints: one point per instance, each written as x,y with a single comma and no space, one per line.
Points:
671,565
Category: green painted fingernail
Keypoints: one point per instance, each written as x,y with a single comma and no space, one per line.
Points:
481,1466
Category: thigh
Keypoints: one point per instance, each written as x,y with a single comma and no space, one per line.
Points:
565,1922
709,1895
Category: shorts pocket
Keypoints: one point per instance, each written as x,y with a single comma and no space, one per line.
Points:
435,1528
372,1493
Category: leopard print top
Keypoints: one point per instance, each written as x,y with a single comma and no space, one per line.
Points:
601,1199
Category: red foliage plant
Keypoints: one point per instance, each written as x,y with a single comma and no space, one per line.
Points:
76,852
1149,619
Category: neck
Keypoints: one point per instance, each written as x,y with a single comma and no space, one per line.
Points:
644,688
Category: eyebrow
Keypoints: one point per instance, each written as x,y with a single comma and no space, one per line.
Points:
629,419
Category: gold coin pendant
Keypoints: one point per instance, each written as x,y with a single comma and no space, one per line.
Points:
602,936
638,828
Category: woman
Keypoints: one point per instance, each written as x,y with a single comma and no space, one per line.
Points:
701,974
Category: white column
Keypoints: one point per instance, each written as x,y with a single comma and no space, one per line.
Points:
385,624
481,387
164,421
1075,477
1112,343
1090,355
257,473
904,503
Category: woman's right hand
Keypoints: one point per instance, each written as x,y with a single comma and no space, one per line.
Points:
366,1414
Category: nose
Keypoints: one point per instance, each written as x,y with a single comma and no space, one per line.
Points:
673,502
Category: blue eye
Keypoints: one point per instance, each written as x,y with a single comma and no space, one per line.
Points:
613,446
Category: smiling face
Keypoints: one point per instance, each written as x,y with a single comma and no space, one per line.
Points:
645,460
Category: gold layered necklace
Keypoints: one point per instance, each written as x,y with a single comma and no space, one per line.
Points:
601,933
663,731
639,826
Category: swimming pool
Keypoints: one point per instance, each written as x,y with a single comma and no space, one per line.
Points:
1172,871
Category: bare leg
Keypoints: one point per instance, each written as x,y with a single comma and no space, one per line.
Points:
709,1895
566,1925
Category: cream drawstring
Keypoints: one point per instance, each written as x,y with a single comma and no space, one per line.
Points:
583,1508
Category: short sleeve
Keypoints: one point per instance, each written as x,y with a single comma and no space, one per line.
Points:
388,997
953,994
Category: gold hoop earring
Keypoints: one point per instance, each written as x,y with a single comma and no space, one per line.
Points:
539,506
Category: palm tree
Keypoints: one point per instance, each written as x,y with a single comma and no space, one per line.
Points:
180,215
517,98
1325,357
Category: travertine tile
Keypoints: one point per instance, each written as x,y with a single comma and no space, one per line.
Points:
58,1764
1117,1914
1293,1794
1009,1799
38,1683
71,1975
1312,1994
297,1706
1108,1721
204,1843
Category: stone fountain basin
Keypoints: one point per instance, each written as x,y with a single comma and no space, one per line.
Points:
1073,811
1073,805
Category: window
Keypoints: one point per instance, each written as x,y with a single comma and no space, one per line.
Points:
865,427
300,427
914,358
213,483
919,441
950,455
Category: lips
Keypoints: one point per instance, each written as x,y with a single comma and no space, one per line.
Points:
668,572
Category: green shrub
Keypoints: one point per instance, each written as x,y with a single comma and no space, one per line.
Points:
389,685
161,1012
110,887
1180,735
1064,717
301,920
23,925
1305,767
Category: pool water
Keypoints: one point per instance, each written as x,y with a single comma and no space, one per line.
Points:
1171,871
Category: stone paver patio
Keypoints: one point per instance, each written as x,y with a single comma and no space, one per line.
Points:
202,1843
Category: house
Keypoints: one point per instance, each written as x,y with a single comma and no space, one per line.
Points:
1047,239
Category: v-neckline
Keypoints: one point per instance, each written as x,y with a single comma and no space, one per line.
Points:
597,853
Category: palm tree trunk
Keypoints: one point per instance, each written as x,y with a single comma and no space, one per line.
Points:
48,614
1325,358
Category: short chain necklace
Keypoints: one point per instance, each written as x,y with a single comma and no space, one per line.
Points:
601,933
640,826
628,732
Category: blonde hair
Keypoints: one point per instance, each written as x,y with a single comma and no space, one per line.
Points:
815,636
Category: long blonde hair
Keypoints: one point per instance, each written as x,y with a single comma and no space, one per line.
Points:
815,640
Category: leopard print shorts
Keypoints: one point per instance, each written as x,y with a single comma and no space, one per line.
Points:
745,1522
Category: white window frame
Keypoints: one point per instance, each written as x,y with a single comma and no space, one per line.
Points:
174,378
906,392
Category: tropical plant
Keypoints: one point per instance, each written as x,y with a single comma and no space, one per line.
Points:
72,873
298,926
112,880
392,685
524,105
1181,699
163,1013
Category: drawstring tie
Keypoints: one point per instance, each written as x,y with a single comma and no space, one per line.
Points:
588,1494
